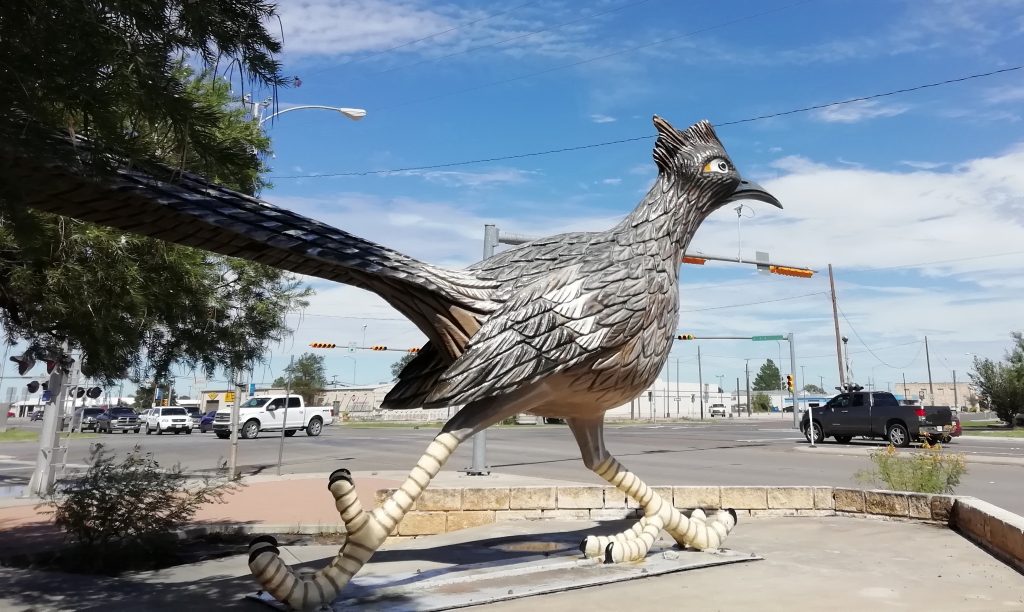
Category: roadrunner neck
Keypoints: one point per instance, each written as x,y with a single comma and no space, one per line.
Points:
664,221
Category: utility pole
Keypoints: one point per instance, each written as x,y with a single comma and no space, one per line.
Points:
835,320
737,396
906,393
928,361
479,467
678,397
700,382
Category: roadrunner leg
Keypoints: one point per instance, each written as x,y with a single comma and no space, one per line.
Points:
632,544
366,532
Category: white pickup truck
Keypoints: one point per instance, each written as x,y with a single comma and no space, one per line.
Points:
267,413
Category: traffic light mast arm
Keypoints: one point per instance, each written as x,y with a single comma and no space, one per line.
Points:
375,347
783,270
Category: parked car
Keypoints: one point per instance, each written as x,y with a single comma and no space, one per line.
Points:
118,418
168,418
876,415
195,414
267,413
957,430
206,423
718,410
10,414
88,418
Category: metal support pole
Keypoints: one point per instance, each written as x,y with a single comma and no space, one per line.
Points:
233,455
700,382
284,421
796,383
479,467
746,369
737,396
678,397
835,319
51,454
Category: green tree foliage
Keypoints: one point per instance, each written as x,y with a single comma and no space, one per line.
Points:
761,403
768,377
117,75
1000,384
144,396
308,376
398,366
812,388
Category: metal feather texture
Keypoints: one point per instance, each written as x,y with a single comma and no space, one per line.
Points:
581,320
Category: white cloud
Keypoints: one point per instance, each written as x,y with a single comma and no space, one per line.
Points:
859,111
611,181
598,118
1001,95
923,165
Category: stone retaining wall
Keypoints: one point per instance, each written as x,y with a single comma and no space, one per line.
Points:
443,510
996,530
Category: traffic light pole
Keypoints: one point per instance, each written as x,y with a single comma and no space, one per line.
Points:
796,382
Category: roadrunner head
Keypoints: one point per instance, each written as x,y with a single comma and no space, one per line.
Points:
697,158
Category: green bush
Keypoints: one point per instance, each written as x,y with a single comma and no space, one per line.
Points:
121,513
930,471
761,402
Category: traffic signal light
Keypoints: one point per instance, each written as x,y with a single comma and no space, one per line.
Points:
414,349
788,271
686,337
789,382
378,347
33,386
323,345
165,402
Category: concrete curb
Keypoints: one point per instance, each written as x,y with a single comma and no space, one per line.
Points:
864,451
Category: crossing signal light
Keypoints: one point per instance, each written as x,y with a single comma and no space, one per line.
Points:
788,271
789,382
686,337
323,345
414,349
378,347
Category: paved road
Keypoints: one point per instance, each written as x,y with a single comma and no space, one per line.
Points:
726,453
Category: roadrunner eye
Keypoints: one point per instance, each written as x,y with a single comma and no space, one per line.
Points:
717,165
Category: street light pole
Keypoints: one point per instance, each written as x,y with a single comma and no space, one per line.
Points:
355,114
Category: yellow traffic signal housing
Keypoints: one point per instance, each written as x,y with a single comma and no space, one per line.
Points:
789,382
323,345
414,349
790,271
378,347
686,337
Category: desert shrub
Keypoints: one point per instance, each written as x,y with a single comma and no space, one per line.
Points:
120,513
932,470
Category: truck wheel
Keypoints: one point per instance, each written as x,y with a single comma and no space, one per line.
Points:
898,435
843,439
251,429
314,427
289,433
223,435
819,436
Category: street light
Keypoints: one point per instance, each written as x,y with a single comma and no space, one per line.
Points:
355,114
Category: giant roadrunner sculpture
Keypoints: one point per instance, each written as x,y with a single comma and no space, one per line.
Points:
568,326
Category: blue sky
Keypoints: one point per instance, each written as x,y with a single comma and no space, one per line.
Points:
916,199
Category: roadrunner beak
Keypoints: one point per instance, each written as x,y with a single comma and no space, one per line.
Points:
749,190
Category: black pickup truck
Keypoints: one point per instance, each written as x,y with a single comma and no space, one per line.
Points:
877,415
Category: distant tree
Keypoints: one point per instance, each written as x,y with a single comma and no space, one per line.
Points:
308,376
812,388
761,403
144,396
396,367
1001,384
768,377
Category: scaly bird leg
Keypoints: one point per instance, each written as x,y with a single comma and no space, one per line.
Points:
635,542
366,533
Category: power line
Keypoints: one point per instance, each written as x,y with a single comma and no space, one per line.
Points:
517,37
421,39
659,41
792,297
595,145
880,360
